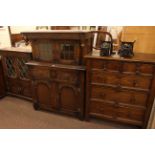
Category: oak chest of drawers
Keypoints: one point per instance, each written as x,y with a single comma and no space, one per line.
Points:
120,89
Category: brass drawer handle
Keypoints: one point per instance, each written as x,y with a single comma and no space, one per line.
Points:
135,83
102,95
118,87
137,72
132,100
116,104
53,74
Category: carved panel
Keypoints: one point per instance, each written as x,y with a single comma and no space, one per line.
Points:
68,98
45,94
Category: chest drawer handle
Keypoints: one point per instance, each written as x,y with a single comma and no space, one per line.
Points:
119,76
137,72
135,83
118,87
116,104
104,66
102,95
132,100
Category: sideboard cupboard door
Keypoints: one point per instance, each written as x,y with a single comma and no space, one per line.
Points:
69,99
44,95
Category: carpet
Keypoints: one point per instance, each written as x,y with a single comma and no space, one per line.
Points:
19,114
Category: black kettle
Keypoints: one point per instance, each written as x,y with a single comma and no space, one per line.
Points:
126,49
105,47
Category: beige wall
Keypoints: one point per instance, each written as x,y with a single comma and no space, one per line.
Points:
151,124
18,29
114,30
4,37
144,36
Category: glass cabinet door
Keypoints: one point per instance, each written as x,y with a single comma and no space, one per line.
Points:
69,53
43,50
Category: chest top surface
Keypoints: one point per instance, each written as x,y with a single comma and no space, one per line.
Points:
138,57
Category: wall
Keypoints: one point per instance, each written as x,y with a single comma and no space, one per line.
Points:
114,30
18,29
4,37
151,124
144,36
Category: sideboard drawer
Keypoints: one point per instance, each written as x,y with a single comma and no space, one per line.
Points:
37,73
63,75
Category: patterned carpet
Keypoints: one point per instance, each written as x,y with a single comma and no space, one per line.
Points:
19,114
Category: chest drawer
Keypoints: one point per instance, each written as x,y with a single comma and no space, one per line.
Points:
121,113
106,65
100,76
122,96
133,81
126,80
138,68
129,67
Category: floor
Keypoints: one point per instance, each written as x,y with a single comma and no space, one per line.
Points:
19,114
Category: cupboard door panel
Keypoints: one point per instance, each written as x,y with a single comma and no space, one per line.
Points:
43,93
26,88
68,98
